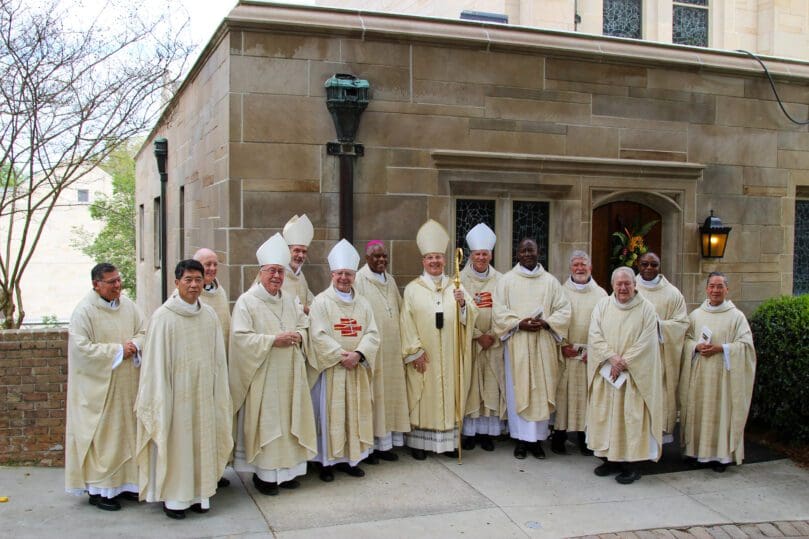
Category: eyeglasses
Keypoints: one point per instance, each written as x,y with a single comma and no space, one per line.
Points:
111,281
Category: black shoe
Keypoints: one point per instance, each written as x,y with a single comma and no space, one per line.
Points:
105,504
372,458
197,508
223,482
537,451
558,442
451,454
176,514
718,467
520,450
265,487
468,443
583,449
292,484
389,456
486,443
607,468
353,471
628,476
418,454
129,496
326,474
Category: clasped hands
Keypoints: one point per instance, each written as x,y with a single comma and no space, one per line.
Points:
287,338
130,350
531,324
569,351
707,349
350,360
617,366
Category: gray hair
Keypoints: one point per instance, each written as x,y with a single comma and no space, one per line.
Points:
622,269
717,274
580,254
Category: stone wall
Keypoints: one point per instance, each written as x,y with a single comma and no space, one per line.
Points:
464,110
33,382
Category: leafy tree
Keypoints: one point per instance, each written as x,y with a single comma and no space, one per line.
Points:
74,86
116,241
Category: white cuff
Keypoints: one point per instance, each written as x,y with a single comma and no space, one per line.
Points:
413,357
119,357
726,353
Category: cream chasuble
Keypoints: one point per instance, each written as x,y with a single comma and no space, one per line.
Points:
571,394
346,430
534,358
431,394
296,286
670,306
715,391
390,391
217,299
183,407
487,396
269,386
101,427
626,423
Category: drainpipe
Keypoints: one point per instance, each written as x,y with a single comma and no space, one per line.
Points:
161,152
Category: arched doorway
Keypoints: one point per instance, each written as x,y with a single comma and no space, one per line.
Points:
616,217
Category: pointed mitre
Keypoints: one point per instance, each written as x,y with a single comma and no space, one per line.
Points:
343,256
273,251
432,238
481,237
299,231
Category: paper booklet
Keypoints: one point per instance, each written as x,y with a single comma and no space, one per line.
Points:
704,338
605,372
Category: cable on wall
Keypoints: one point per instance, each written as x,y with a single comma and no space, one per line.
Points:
772,85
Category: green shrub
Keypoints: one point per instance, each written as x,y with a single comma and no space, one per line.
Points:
781,395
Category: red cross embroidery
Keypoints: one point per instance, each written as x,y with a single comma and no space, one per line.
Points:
348,327
483,300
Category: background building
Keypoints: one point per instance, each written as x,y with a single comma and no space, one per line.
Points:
565,136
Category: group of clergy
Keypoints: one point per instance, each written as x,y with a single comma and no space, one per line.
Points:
156,413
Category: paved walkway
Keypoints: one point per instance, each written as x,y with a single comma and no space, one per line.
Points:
490,495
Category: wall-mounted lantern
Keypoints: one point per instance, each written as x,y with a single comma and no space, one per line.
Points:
714,237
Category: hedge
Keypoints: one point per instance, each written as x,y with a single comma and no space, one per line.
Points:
781,395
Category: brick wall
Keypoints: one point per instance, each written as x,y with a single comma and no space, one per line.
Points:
33,381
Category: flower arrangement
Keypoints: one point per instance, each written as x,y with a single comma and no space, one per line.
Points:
629,245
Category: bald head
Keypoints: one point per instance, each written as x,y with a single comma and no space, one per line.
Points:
209,261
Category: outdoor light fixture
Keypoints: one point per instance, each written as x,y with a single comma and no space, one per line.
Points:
161,152
346,98
714,237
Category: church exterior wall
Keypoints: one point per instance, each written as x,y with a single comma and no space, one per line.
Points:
462,110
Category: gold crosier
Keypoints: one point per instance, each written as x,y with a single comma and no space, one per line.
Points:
458,355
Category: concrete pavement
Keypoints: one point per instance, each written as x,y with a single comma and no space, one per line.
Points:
490,495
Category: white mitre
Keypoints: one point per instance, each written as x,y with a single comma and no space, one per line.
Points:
343,256
299,231
432,238
480,238
273,251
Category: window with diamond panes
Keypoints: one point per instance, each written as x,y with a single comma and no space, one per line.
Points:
468,213
690,22
622,18
530,219
800,262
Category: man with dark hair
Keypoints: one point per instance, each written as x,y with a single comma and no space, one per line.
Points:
106,335
183,407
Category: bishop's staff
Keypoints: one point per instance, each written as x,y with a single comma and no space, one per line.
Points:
458,354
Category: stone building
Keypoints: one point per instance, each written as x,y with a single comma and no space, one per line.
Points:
561,135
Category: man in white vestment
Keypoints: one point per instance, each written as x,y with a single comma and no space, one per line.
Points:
428,345
624,408
672,316
531,317
213,294
298,233
391,416
343,342
268,379
716,386
105,339
571,395
486,401
183,406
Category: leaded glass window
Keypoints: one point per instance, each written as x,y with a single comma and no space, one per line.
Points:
690,22
800,267
468,213
622,18
530,219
